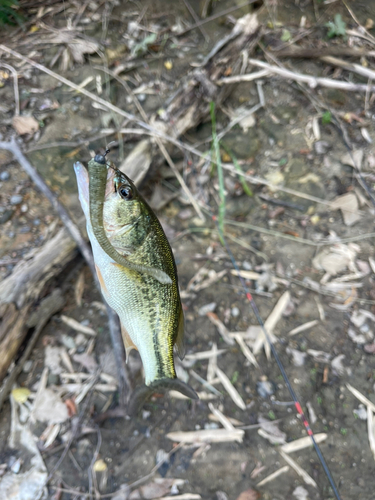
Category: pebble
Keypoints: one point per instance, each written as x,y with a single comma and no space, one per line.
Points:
265,388
235,312
25,229
4,176
202,311
24,208
361,412
211,425
27,366
36,222
321,147
16,199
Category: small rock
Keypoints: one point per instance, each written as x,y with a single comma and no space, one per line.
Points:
265,388
4,176
235,312
36,222
361,412
5,216
25,229
27,366
321,147
298,357
211,425
24,208
16,199
202,311
300,493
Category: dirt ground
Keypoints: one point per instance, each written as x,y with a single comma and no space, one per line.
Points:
297,241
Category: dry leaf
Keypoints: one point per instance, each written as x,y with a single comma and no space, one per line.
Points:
25,125
86,360
100,466
49,408
52,359
348,204
337,258
21,394
353,158
249,494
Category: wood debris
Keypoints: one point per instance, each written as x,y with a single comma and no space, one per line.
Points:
308,479
274,475
232,391
207,436
76,325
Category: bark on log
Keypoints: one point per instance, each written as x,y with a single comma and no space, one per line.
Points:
21,291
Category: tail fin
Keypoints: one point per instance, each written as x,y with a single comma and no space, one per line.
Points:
143,392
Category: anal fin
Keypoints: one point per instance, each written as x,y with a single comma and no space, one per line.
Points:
128,343
101,280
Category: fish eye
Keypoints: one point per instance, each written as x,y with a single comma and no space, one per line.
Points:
126,192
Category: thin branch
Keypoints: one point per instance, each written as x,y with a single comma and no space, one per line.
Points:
15,86
312,81
355,68
197,20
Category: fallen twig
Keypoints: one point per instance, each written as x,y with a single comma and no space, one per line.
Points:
312,81
274,475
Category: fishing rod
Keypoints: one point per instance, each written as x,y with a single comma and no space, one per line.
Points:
293,394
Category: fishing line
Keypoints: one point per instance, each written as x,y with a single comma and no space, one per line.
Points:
277,358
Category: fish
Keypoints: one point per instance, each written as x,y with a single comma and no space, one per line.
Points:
133,260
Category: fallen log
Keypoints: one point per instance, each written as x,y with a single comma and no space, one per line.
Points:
21,291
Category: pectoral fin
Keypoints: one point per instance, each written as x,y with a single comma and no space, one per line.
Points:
179,343
101,280
158,274
128,343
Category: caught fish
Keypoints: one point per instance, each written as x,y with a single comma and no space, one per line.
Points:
137,273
